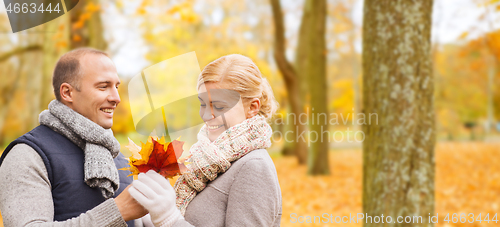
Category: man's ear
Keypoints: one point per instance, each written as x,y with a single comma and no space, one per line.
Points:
254,107
66,92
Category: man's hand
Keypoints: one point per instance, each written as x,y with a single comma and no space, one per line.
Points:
128,206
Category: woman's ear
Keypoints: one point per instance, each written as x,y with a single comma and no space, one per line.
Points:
254,107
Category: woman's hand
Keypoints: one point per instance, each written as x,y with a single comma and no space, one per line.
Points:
155,193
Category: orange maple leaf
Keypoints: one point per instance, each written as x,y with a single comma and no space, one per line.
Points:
157,155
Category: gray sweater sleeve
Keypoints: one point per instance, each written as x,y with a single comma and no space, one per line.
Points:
253,196
26,200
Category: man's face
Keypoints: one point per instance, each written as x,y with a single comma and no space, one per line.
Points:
98,96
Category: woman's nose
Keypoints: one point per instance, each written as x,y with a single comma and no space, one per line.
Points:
207,114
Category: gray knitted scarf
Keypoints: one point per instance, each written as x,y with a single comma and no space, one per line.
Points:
98,144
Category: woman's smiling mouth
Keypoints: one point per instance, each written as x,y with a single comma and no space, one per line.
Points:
214,127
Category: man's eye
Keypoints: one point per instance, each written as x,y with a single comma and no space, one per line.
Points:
103,87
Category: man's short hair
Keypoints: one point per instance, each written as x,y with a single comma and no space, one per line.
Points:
68,69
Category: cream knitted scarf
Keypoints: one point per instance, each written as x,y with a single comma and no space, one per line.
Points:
98,144
211,158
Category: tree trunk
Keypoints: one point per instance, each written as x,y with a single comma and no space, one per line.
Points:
92,33
355,79
314,70
398,151
491,82
302,53
7,92
293,146
51,53
32,89
96,31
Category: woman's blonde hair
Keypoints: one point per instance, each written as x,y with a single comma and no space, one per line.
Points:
241,74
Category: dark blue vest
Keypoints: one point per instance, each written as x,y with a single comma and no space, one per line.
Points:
64,163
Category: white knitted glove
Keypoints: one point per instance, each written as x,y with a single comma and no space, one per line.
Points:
155,193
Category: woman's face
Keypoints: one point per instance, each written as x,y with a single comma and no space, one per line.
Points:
220,108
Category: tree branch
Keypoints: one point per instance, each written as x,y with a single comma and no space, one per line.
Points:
20,50
279,44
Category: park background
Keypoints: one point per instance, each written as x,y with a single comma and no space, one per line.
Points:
307,68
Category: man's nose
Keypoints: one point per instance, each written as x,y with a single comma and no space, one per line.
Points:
114,96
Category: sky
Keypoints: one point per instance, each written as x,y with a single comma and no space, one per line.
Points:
451,18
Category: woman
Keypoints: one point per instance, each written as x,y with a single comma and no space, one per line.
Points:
232,180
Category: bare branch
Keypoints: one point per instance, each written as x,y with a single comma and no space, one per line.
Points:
20,50
279,44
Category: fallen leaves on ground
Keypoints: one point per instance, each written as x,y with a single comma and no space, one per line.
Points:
338,194
467,181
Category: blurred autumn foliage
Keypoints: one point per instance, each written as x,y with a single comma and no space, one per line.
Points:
216,28
465,68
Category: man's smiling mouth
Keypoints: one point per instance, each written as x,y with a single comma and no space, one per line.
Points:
107,110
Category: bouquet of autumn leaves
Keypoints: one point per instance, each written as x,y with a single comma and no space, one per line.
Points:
158,155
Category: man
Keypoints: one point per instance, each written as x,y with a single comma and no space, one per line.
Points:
65,170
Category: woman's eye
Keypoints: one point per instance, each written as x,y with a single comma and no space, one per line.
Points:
218,108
